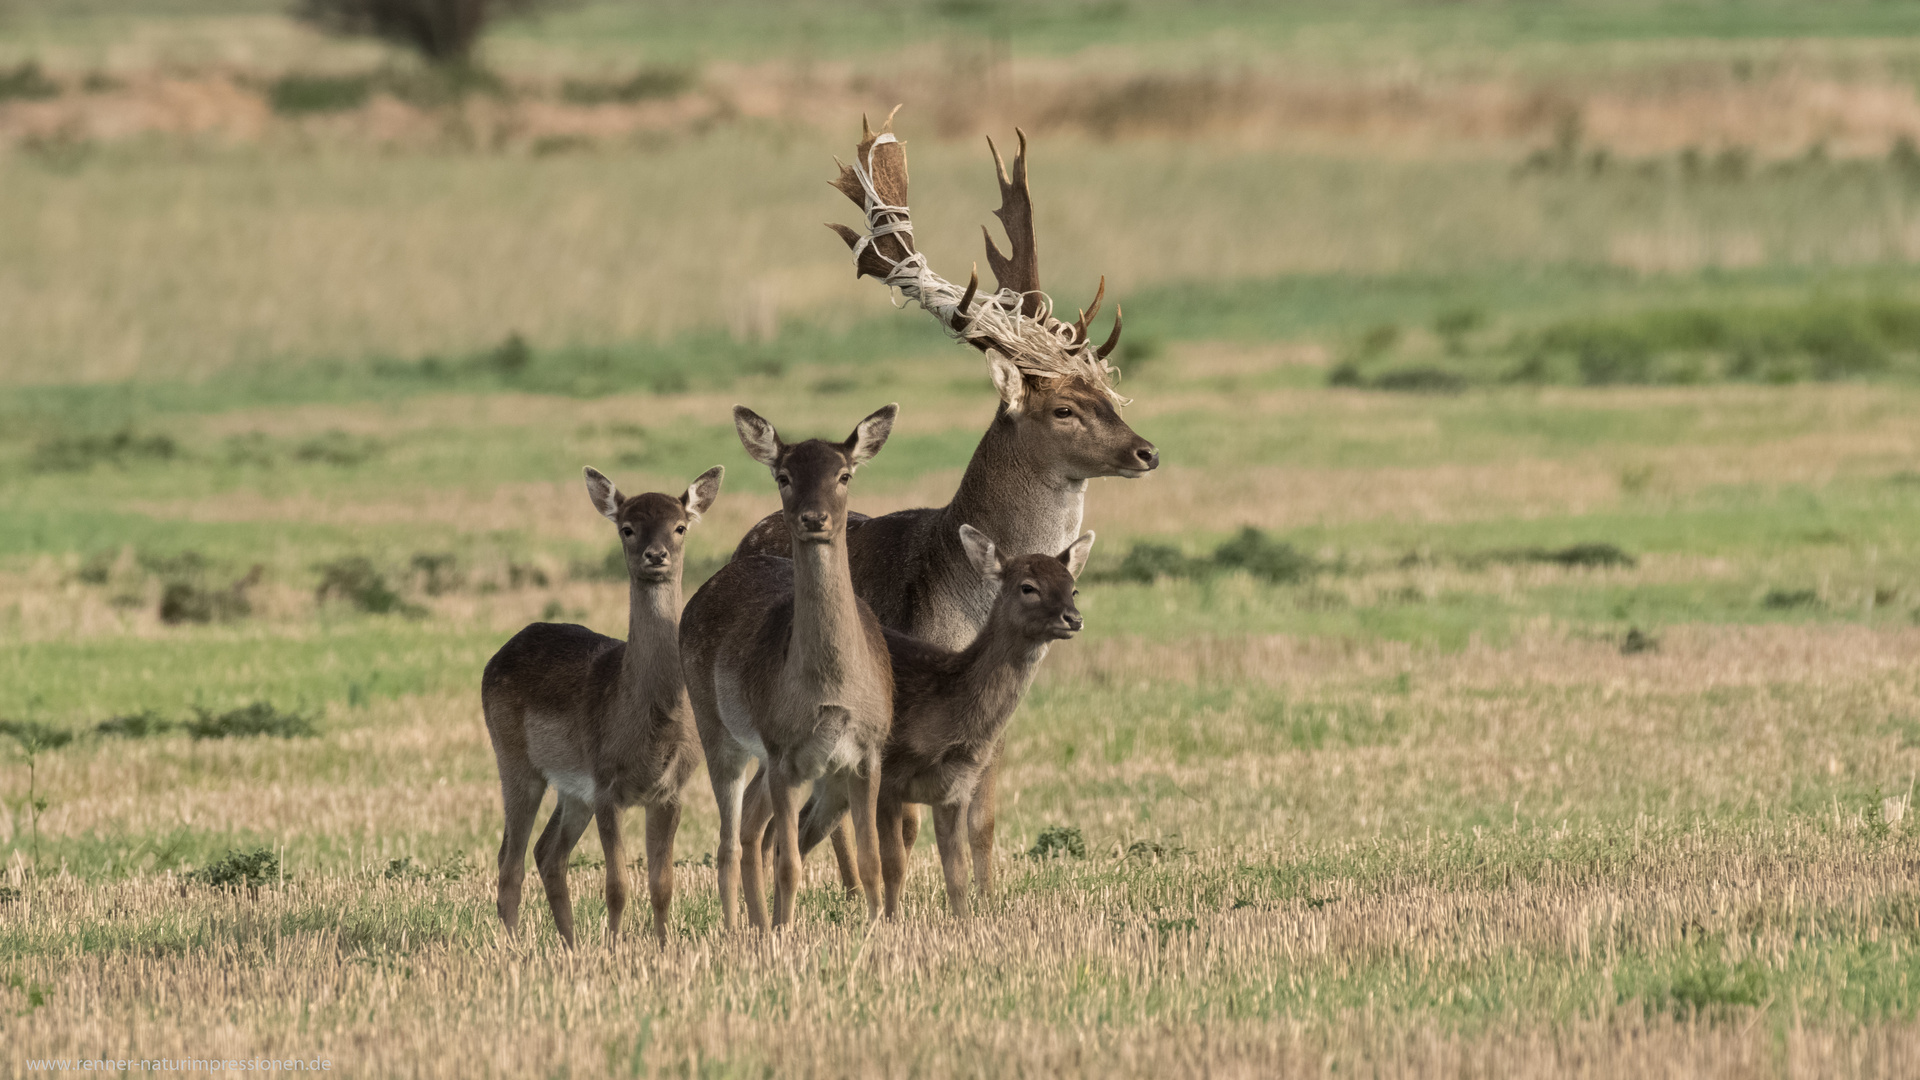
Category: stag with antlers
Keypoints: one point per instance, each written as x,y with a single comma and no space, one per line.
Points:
1058,426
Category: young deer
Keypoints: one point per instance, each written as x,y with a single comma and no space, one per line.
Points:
1057,427
950,708
605,722
786,666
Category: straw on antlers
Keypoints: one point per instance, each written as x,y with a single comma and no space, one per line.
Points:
1015,321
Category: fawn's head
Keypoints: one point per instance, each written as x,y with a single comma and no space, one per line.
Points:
653,527
1036,591
813,475
1070,423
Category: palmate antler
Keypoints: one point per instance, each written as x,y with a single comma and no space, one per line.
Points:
1017,319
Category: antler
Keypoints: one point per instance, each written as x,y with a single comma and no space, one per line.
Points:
1015,321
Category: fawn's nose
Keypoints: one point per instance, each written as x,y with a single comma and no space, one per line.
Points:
814,521
1073,620
1149,456
655,556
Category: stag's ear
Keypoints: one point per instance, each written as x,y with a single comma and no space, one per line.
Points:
871,435
701,493
1076,554
757,435
980,552
1008,380
606,498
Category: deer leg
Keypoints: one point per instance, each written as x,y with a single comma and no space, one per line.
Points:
663,824
842,836
786,881
522,799
563,831
909,824
893,854
753,826
948,821
608,817
863,797
729,784
980,822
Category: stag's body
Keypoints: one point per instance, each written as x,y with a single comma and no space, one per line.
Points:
1055,429
606,723
786,666
951,707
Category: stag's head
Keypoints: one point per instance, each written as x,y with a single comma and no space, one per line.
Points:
1055,384
1037,593
813,475
653,526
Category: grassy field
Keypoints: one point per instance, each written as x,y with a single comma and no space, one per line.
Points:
1559,716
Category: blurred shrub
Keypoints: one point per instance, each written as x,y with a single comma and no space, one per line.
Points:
78,453
647,83
444,32
336,447
250,721
357,581
240,869
1788,599
34,736
144,724
26,82
293,95
439,571
1251,550
1058,841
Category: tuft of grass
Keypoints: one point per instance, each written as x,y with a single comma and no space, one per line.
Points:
299,94
336,447
26,82
1058,841
250,721
356,581
122,448
1789,599
240,869
407,868
649,83
1638,641
147,723
1251,550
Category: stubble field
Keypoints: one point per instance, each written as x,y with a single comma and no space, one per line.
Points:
1560,717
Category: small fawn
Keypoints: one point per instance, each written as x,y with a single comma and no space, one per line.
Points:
950,708
786,666
605,722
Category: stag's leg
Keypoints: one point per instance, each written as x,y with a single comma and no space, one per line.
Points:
563,831
663,824
893,853
863,797
980,821
948,821
753,826
608,817
786,819
729,784
909,825
522,798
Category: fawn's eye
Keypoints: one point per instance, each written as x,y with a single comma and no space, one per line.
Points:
680,529
1076,592
626,530
1028,590
1063,412
845,477
783,480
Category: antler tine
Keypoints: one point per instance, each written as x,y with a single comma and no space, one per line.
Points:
961,318
1113,339
1021,270
1086,317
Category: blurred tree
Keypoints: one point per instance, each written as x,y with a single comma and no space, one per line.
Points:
442,31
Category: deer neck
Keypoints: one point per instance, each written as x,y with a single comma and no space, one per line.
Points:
826,617
996,670
650,667
1026,505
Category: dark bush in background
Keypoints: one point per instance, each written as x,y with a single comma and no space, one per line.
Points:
442,31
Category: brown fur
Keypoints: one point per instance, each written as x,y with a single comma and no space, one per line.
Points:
951,707
785,665
605,722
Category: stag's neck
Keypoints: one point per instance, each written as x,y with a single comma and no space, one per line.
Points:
826,617
996,670
1025,506
650,668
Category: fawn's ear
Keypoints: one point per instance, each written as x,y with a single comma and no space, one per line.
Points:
606,498
757,435
871,435
980,552
1076,554
1008,380
701,493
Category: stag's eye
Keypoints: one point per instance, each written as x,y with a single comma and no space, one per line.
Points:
1028,590
626,530
680,529
846,477
1076,592
1063,412
783,480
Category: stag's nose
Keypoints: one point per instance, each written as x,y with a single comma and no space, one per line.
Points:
1073,620
1149,457
656,556
814,521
